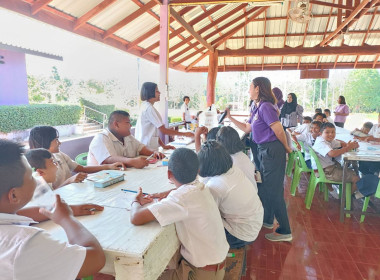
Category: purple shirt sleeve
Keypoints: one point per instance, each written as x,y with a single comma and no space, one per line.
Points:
268,113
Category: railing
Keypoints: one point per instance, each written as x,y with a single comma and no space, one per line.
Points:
87,109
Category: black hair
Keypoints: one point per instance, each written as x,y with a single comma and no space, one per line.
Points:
184,165
214,159
211,135
318,123
327,110
230,139
184,98
265,89
342,99
41,136
37,158
327,125
368,125
148,91
318,110
115,116
12,168
319,114
307,118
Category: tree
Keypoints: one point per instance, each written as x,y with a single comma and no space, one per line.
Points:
362,90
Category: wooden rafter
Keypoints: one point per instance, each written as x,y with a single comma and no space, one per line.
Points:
286,32
366,35
39,5
355,12
375,61
245,39
327,26
210,18
129,18
181,29
93,12
221,40
191,30
137,41
304,37
333,5
265,31
314,51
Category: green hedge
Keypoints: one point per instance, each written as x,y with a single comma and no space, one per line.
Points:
26,116
105,109
175,119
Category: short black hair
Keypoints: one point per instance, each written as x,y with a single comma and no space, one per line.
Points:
184,165
41,136
327,110
318,110
184,98
319,114
12,169
318,123
327,125
37,158
230,139
342,99
368,125
307,118
214,159
148,91
211,135
115,115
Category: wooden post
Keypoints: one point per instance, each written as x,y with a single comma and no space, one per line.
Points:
211,77
162,105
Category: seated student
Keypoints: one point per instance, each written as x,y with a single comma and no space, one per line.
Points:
116,144
239,204
192,209
318,110
320,117
367,186
308,139
27,252
47,137
329,150
229,138
45,165
327,112
301,129
362,133
374,133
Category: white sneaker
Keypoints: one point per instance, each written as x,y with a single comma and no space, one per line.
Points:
334,194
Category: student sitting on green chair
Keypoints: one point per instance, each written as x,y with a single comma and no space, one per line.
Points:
329,151
308,139
28,252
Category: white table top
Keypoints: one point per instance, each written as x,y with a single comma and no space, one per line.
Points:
132,252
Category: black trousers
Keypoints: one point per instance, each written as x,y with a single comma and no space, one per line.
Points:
272,157
340,124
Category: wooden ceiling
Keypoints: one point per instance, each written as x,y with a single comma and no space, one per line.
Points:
248,36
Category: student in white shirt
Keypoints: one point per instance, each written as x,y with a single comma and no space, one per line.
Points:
116,144
28,252
239,204
327,112
149,122
229,138
186,117
329,151
47,137
301,129
192,209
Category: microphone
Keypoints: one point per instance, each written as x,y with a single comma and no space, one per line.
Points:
224,115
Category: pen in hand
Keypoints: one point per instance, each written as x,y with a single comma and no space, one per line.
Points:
125,190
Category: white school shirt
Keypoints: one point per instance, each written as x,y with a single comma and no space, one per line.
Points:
308,141
303,128
185,109
29,253
375,131
147,126
330,120
105,145
322,148
239,205
197,220
65,166
242,161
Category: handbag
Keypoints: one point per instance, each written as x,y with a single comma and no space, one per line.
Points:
285,121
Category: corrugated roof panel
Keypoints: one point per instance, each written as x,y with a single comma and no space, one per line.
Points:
367,58
273,60
294,27
202,63
234,61
376,23
347,58
309,59
274,42
327,59
253,60
373,39
76,8
150,41
312,41
256,43
114,14
290,59
192,59
255,28
137,27
195,12
235,44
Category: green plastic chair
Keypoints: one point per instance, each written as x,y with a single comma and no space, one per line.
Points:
366,201
300,167
81,159
88,278
289,166
321,179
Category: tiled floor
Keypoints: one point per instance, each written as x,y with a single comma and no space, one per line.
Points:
322,247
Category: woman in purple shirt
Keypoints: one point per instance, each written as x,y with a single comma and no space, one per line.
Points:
269,135
341,112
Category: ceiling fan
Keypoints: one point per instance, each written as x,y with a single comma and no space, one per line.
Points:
300,13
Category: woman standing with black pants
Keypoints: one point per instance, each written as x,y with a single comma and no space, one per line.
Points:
269,135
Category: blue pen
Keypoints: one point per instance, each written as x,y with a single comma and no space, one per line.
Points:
124,190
